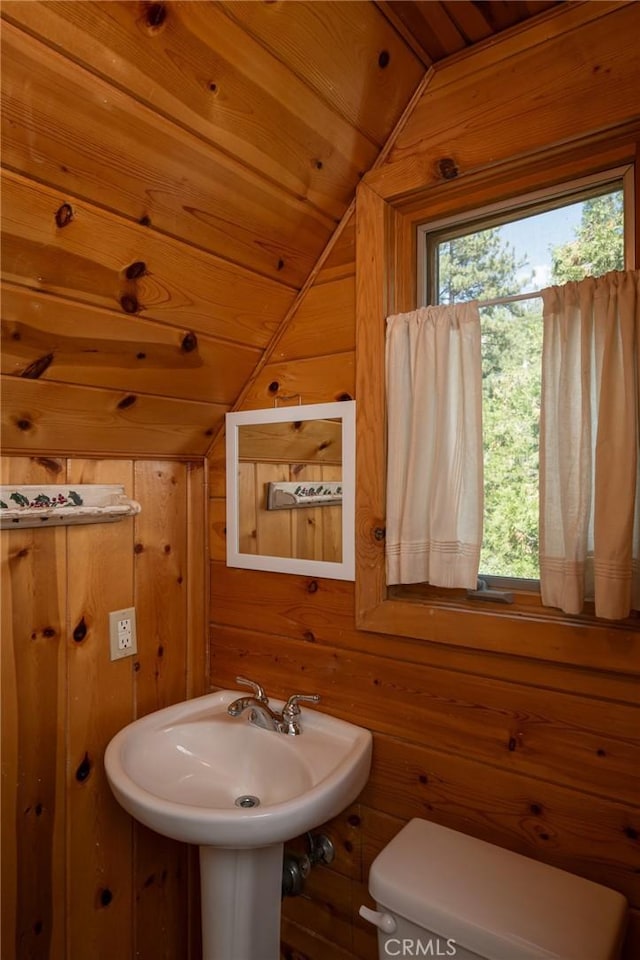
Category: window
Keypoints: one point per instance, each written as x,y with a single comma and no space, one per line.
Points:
503,257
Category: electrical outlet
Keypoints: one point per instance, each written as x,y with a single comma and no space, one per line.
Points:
122,633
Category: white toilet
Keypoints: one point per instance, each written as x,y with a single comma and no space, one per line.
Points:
440,893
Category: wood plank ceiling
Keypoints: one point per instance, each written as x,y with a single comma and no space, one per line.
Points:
171,174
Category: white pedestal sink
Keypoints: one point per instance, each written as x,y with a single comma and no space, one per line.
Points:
196,774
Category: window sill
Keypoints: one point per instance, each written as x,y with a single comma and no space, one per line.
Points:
524,629
526,603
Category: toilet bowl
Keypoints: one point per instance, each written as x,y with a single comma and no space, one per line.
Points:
440,893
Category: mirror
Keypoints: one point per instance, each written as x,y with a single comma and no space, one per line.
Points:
291,489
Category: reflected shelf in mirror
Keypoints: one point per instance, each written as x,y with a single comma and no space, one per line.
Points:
291,489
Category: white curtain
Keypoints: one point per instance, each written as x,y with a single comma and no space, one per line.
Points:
434,455
589,517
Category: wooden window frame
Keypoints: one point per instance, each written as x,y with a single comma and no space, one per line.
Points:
386,228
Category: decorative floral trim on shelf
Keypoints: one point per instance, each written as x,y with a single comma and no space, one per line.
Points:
55,504
44,500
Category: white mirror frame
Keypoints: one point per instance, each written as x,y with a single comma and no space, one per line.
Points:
343,410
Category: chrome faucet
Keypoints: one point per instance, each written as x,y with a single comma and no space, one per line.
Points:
291,712
261,713
263,716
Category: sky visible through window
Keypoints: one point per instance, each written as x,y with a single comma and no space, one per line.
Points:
534,237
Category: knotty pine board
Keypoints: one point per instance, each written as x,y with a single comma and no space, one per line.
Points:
83,880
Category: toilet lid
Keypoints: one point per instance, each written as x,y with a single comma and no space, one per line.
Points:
492,901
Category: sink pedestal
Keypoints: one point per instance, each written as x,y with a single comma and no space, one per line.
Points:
241,896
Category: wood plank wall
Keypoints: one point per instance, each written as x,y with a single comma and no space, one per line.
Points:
171,174
80,879
536,756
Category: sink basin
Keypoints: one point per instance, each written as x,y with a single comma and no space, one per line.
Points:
196,774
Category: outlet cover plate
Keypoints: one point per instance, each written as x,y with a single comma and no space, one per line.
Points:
122,633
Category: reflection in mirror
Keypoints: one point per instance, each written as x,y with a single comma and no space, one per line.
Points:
291,489
294,468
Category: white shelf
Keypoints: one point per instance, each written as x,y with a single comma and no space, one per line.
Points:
36,505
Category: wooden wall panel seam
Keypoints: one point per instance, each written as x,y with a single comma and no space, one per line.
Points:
260,32
219,135
244,187
110,241
331,608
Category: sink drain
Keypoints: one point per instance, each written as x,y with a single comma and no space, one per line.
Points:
247,801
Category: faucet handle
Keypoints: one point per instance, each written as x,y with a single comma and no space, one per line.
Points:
291,708
257,688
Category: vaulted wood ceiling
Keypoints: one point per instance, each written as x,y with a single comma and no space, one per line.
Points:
172,173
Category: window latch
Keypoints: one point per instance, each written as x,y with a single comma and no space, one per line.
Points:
484,592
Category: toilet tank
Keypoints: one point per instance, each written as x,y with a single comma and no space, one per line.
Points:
488,902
